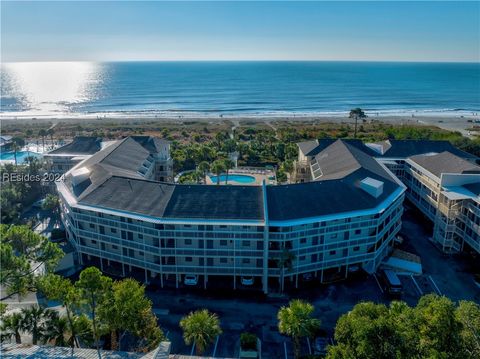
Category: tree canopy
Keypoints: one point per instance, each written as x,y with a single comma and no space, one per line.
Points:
200,328
296,321
435,328
24,256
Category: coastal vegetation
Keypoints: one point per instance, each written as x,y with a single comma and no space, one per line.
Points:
25,255
200,328
296,321
435,328
20,187
257,143
96,307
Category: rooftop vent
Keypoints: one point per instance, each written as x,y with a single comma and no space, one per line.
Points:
372,186
79,175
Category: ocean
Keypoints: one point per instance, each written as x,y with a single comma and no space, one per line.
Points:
190,89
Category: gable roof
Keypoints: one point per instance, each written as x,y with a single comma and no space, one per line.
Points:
124,158
114,183
407,148
445,162
81,145
341,167
342,158
314,147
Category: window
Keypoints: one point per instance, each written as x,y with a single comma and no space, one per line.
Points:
302,258
94,242
114,246
223,260
246,261
114,230
188,242
188,259
245,243
358,231
332,253
223,242
140,253
92,225
140,236
356,248
303,240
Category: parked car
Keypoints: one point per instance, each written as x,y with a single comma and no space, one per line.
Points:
190,280
391,282
248,281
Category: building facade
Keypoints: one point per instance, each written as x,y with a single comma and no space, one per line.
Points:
442,182
119,217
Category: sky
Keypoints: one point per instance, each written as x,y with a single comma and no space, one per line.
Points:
135,30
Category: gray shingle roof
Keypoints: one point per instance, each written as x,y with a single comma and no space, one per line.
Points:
81,145
342,158
115,184
318,198
408,148
166,200
314,147
445,162
123,158
392,148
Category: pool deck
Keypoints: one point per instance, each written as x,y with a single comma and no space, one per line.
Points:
258,175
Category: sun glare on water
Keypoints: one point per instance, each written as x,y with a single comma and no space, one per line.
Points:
50,87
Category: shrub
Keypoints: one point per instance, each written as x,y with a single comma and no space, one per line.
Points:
248,341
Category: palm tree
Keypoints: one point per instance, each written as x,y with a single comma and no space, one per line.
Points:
17,143
11,327
33,321
15,149
204,168
42,133
228,163
218,167
50,132
200,328
296,321
57,330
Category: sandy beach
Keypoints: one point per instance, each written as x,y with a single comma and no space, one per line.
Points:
468,125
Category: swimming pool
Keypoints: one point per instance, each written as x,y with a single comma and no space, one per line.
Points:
233,178
21,156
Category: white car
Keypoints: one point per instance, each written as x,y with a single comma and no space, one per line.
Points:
247,281
190,280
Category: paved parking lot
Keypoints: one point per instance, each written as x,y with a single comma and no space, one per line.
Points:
251,311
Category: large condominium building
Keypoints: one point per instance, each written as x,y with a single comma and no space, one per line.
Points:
64,158
446,189
120,218
442,181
